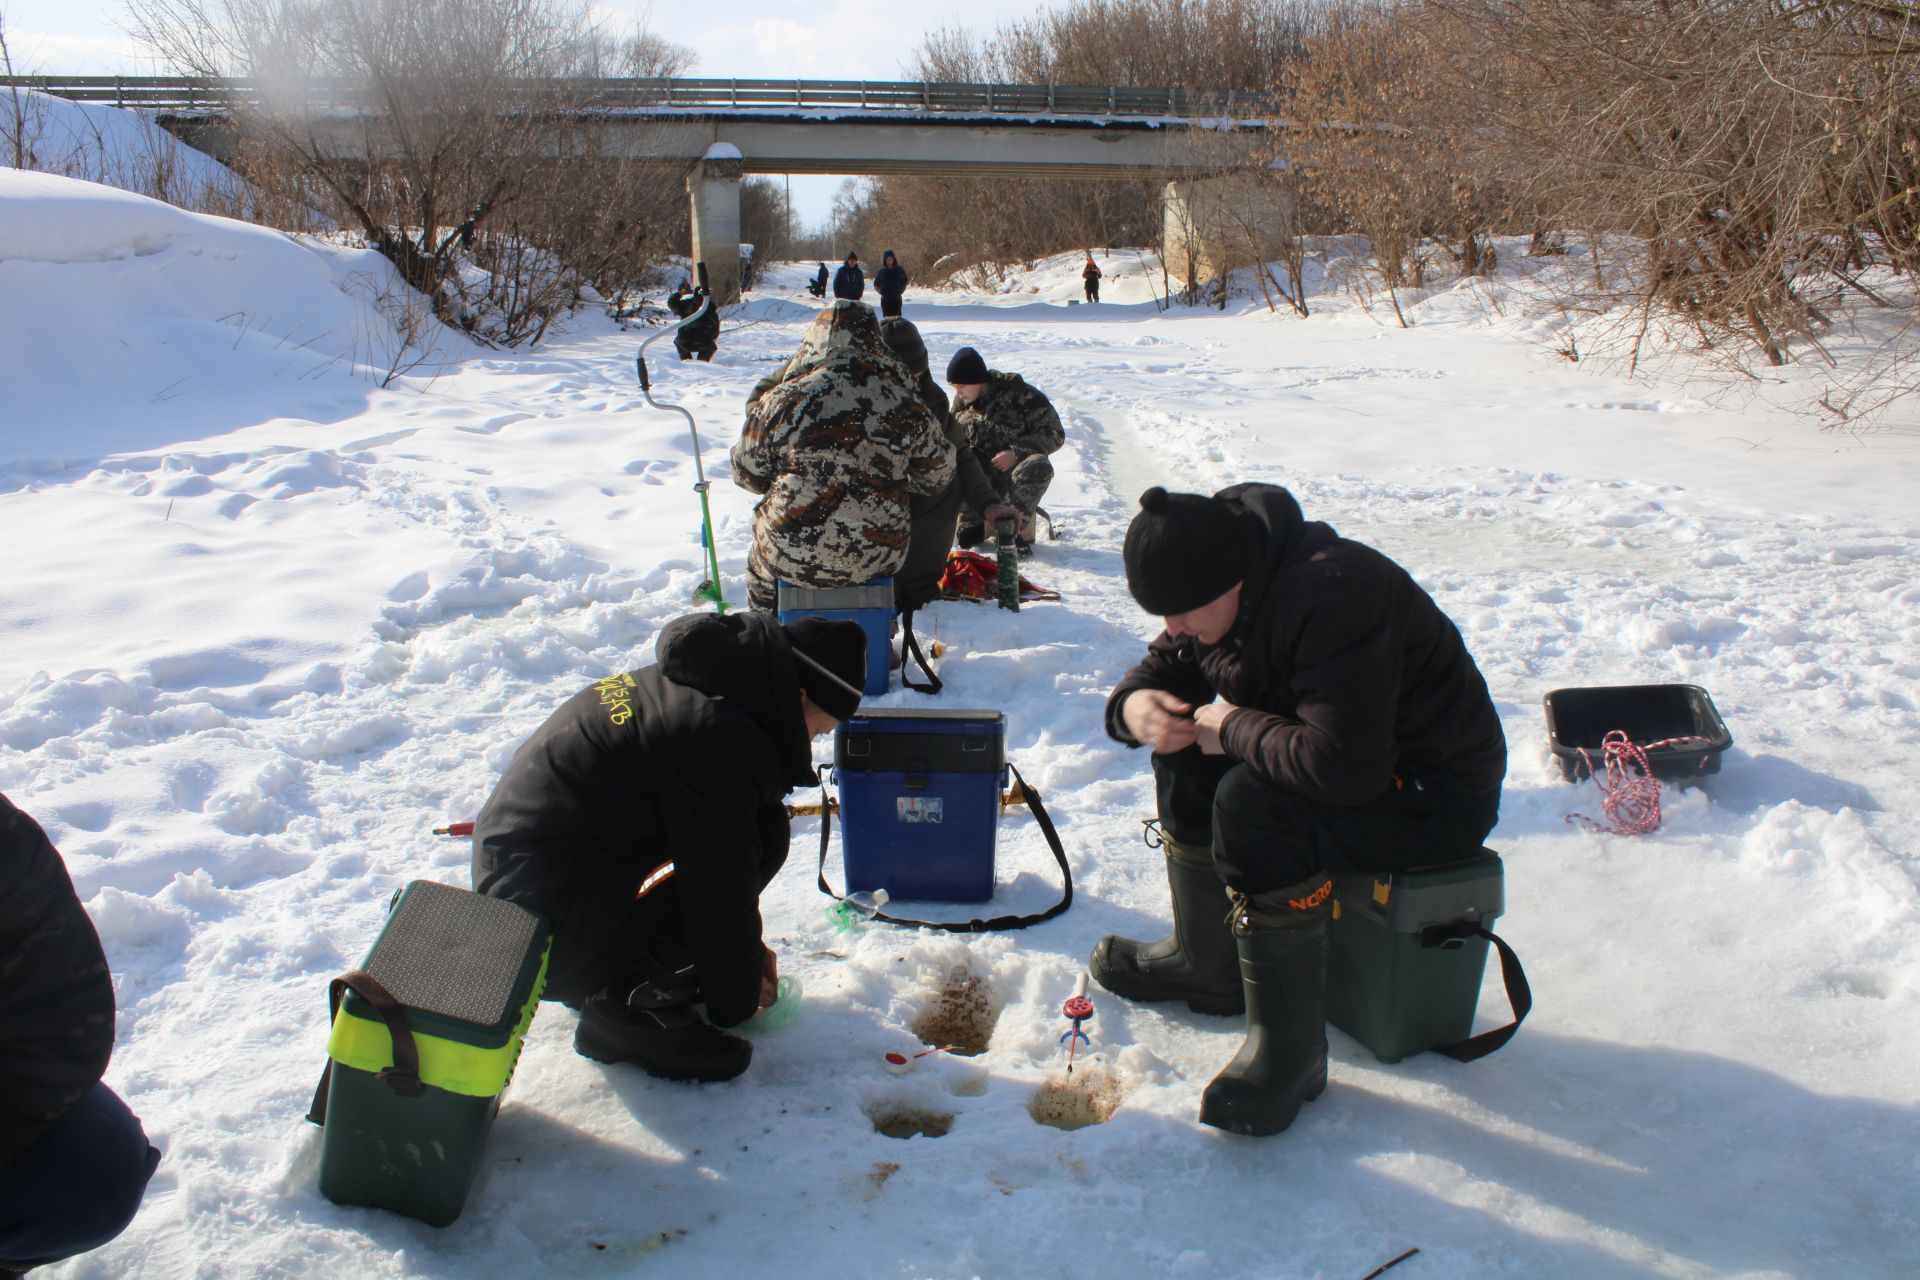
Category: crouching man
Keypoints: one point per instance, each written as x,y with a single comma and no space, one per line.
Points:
1310,709
74,1161
646,815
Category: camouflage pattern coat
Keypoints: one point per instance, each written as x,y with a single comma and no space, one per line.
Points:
838,445
1009,414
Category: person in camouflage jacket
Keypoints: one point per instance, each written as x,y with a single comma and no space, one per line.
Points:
836,445
1011,427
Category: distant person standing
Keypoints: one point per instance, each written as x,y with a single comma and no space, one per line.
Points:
890,282
700,339
1090,276
850,281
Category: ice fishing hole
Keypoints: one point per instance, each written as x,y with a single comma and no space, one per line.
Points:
960,1016
1090,1096
898,1121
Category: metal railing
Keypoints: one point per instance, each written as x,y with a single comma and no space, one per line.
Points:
700,96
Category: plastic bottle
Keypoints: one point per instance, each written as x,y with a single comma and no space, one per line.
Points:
855,908
782,1011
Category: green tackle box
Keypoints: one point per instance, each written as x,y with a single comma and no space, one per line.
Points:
1401,977
466,972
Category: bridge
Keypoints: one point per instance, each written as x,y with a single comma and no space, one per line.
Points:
718,130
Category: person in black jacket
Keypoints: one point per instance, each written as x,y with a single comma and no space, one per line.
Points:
74,1161
818,285
890,282
646,815
1090,278
701,338
1310,709
849,281
934,516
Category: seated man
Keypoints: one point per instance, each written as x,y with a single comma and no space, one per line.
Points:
74,1161
646,815
1310,709
935,514
1011,428
818,285
701,338
838,443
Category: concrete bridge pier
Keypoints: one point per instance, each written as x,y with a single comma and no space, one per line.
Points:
1214,225
713,189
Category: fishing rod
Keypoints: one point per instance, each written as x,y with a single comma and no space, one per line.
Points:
710,589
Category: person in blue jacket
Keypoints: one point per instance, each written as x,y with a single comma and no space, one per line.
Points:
74,1161
850,281
890,281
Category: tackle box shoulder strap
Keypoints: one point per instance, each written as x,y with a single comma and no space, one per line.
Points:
910,652
403,1077
1519,994
993,925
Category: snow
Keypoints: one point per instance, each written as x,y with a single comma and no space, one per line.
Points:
274,610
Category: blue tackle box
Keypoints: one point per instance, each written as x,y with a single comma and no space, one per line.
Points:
920,801
870,604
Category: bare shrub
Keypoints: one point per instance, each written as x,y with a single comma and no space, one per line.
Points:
458,152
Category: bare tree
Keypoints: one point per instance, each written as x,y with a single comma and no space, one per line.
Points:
458,143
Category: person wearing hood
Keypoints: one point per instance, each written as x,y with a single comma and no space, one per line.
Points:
934,515
1012,428
849,282
890,282
1090,278
74,1161
838,443
646,815
1310,710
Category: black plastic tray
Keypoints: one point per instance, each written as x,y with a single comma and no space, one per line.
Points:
1647,713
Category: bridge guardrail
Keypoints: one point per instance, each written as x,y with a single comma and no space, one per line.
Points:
188,93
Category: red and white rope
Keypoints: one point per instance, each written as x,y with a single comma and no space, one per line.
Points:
1631,805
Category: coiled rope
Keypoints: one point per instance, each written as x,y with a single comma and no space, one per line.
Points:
1630,805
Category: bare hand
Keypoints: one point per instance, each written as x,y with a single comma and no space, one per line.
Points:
769,977
1206,726
1158,720
1004,460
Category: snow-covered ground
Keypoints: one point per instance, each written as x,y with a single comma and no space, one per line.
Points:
267,621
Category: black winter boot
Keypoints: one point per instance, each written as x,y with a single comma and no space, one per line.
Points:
660,1032
1196,962
1282,939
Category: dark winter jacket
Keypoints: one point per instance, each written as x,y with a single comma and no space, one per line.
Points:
1009,414
685,761
56,996
702,333
1090,271
1346,673
890,281
849,282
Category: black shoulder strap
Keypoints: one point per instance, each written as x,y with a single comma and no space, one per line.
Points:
997,923
1519,994
403,1077
911,650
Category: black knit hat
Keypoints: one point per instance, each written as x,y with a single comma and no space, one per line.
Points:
966,367
905,342
1182,551
831,660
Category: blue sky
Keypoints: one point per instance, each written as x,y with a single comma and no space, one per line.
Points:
835,40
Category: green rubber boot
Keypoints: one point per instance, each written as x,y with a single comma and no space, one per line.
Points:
1281,936
1196,962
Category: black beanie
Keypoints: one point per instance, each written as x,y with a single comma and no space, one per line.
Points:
966,367
905,342
1182,551
831,660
